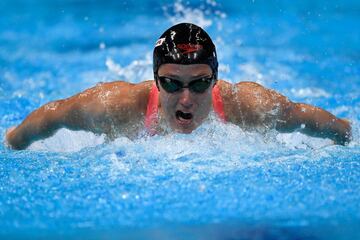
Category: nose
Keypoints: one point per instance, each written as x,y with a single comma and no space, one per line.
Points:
185,98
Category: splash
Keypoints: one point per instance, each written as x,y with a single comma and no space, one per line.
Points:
310,92
180,13
226,140
135,72
203,15
66,140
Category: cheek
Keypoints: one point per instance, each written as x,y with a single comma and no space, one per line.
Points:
168,102
204,101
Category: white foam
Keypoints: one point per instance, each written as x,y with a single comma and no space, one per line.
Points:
310,92
225,139
251,71
298,140
136,71
180,13
66,140
213,147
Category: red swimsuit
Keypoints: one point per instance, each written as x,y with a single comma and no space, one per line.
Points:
151,118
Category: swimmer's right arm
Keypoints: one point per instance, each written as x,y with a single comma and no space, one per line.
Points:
84,111
46,120
40,124
97,109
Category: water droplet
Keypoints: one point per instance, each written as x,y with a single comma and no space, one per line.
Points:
102,45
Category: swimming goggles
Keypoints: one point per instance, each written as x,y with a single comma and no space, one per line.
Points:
197,86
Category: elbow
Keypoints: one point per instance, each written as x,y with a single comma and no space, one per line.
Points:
289,120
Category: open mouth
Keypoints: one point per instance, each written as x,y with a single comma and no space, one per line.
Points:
183,117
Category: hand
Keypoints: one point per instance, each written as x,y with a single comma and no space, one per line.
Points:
8,135
345,136
348,129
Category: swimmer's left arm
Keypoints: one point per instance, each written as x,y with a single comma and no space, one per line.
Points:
315,122
256,105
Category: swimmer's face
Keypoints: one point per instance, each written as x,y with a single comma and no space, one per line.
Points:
186,109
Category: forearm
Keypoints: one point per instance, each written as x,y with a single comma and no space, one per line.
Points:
317,122
39,124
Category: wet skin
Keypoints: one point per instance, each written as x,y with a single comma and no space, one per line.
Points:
119,108
195,105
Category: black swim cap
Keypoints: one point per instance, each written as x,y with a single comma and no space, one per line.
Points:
185,43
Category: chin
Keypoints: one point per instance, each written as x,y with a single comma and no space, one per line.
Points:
184,129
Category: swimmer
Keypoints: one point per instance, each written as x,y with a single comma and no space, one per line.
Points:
185,92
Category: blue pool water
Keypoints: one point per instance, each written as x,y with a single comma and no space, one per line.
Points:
217,183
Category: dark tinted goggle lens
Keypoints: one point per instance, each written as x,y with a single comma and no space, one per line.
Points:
198,86
170,85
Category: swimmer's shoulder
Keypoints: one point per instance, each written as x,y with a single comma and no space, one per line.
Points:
241,100
230,91
121,94
243,85
247,102
144,86
240,89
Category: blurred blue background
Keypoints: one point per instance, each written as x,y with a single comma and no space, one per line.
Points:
220,182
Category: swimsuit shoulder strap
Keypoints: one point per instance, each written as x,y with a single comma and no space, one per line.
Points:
218,104
151,117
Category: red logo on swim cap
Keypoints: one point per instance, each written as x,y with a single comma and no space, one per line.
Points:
188,47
